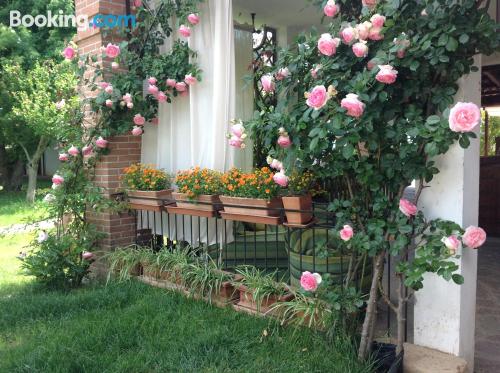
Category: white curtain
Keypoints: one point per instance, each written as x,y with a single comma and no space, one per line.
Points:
192,130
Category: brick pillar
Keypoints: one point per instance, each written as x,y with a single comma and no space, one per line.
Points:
125,150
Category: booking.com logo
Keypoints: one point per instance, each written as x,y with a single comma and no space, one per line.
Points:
81,22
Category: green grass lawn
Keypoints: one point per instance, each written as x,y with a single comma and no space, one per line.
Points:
131,327
14,209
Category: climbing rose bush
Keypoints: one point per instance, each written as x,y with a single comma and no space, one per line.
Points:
369,105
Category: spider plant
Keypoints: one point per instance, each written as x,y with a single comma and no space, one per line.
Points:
262,286
123,261
313,313
173,262
204,278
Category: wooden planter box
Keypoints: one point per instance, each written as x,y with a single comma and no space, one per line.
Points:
248,303
205,202
303,203
252,210
148,198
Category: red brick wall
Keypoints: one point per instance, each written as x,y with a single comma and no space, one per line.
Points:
124,150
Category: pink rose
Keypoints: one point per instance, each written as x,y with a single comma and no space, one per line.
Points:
130,105
139,120
109,89
375,34
387,74
193,19
162,97
284,141
353,105
87,255
360,49
318,97
152,80
103,85
327,45
185,31
310,281
127,98
69,53
101,143
348,34
171,82
267,82
87,150
190,79
363,30
346,233
64,157
281,179
474,237
137,131
407,208
282,73
152,89
236,142
315,71
115,65
112,50
452,243
57,179
369,3
464,117
73,151
181,86
274,163
401,53
377,20
109,103
237,129
331,9
137,3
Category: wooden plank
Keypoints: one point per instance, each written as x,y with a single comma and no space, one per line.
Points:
269,220
192,212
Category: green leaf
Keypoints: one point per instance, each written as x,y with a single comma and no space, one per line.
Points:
452,45
433,119
457,279
414,65
431,149
314,143
464,38
443,40
347,151
464,142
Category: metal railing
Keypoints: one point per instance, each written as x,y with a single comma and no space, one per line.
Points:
275,246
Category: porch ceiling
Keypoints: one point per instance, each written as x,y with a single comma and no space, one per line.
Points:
281,12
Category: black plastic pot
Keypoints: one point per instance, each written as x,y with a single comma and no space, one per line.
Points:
386,360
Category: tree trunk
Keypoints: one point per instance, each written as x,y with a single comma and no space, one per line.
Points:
400,314
33,168
371,309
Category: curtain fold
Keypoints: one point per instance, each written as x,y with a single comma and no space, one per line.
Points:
192,130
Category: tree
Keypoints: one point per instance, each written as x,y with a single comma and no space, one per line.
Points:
44,107
24,46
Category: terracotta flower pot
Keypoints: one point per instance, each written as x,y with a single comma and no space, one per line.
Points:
248,301
149,198
302,206
252,206
205,202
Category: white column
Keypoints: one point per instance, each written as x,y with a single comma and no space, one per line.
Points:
444,313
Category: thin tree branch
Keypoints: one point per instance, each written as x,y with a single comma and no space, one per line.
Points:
385,297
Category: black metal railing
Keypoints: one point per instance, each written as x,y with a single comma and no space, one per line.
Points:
272,245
